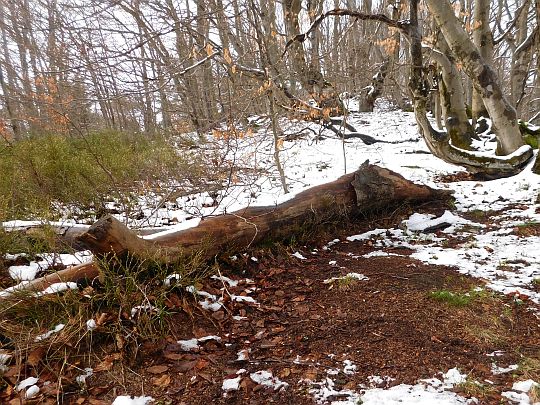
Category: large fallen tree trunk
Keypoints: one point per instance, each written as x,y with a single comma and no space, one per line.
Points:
369,188
64,235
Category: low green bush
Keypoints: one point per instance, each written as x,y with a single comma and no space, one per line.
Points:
40,175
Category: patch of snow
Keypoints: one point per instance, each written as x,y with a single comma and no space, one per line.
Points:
420,222
453,377
22,273
496,370
324,390
4,359
519,398
91,325
47,260
172,279
426,392
242,298
377,380
349,367
298,255
524,386
58,287
266,379
11,290
331,243
46,335
81,379
27,382
411,394
379,253
210,337
367,235
128,400
32,392
356,276
186,224
496,353
232,283
190,345
243,355
137,309
210,306
231,384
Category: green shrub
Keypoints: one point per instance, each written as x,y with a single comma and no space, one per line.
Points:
40,174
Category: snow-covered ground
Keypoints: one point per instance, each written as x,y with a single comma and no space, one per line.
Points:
505,261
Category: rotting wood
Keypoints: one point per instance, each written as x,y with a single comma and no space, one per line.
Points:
82,271
369,188
64,235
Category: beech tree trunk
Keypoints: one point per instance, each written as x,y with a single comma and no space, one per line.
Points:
452,100
483,39
483,76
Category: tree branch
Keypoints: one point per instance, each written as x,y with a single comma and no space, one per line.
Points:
339,12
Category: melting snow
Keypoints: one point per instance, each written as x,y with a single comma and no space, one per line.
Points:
27,382
426,392
193,344
356,276
126,400
46,335
422,222
32,391
496,370
231,384
268,380
58,287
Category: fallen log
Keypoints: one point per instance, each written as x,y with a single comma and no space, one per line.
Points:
369,188
82,271
64,235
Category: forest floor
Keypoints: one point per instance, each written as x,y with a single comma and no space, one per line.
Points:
433,304
395,330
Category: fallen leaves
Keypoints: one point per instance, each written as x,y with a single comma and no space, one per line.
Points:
162,381
107,362
159,369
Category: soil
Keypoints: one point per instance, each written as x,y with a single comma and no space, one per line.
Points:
388,325
304,327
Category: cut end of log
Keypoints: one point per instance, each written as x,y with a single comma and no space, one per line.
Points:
109,236
377,187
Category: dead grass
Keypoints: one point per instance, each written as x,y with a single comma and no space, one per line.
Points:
473,388
129,306
529,367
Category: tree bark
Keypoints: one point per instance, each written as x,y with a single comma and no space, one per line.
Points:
452,99
368,188
483,39
484,77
